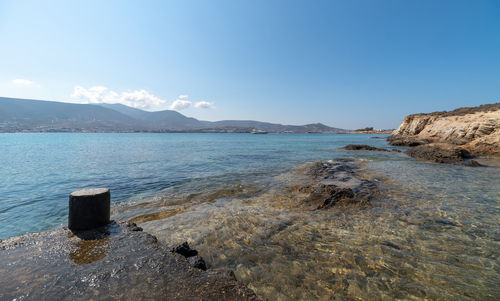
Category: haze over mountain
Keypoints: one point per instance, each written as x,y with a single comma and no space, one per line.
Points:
29,115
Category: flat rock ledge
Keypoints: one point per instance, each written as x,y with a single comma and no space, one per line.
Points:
115,262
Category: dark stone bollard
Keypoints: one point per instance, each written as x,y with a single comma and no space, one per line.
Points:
89,209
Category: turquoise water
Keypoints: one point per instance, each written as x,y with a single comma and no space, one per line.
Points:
38,171
431,233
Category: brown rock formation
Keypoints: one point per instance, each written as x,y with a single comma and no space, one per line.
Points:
332,183
442,153
476,129
363,147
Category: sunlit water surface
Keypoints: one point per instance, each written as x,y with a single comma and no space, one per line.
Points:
432,233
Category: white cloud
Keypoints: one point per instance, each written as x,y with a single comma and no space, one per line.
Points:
203,105
180,104
99,94
137,99
24,82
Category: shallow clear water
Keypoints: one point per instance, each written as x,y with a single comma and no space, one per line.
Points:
38,171
432,233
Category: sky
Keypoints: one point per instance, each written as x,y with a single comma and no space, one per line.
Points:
347,64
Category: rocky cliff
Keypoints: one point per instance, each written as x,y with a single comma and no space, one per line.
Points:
476,129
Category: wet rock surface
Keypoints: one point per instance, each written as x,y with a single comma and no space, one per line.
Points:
197,262
442,153
116,262
334,183
363,147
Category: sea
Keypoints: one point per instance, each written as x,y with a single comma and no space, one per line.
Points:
432,232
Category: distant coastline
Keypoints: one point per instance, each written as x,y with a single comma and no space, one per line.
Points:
37,116
371,132
200,131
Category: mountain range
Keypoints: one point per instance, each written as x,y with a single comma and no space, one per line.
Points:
27,115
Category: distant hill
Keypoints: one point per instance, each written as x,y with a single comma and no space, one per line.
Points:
161,120
35,115
17,115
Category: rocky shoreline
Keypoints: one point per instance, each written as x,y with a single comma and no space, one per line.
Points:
453,137
434,152
122,262
116,262
474,129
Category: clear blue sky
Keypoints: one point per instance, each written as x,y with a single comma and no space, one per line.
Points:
343,63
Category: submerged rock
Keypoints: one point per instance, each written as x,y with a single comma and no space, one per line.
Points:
116,262
332,183
336,195
363,147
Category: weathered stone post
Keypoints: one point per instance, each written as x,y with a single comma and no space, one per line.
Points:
89,209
